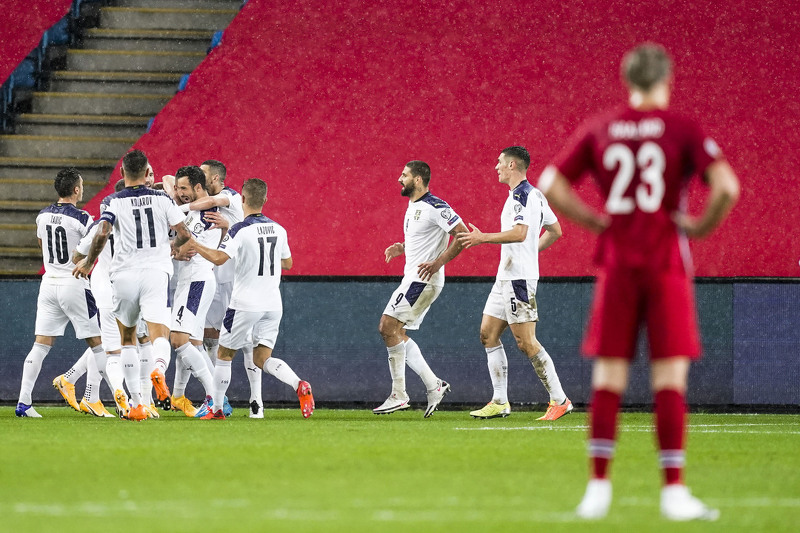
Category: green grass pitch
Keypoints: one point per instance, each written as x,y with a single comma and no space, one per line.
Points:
352,471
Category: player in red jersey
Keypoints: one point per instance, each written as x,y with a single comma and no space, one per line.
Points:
642,156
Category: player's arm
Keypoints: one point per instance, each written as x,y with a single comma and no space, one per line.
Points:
560,195
183,235
723,196
425,271
202,204
475,237
83,266
286,264
217,257
550,235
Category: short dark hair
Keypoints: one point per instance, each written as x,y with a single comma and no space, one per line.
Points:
254,192
421,169
135,164
119,185
645,66
195,175
66,181
520,153
217,167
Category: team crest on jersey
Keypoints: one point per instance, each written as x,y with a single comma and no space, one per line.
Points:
417,214
446,214
517,208
198,227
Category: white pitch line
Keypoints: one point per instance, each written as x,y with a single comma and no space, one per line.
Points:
693,428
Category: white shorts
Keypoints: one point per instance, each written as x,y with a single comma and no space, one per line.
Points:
219,305
141,329
410,302
59,303
109,331
513,301
191,304
140,292
243,328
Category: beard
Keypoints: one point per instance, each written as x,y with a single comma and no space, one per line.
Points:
408,190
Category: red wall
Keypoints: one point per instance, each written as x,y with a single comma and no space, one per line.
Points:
24,22
327,100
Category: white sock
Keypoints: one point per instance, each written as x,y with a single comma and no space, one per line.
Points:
30,371
130,369
146,366
397,368
101,360
79,368
498,370
114,372
212,349
282,371
92,392
222,379
194,360
253,375
417,363
162,352
546,370
182,374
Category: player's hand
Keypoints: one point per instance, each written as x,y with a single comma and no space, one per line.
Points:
82,269
473,238
425,271
395,250
216,218
185,252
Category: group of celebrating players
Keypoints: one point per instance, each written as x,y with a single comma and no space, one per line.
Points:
641,155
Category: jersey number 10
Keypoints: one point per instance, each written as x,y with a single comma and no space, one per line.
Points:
57,244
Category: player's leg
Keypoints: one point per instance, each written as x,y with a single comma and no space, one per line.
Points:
492,328
65,383
128,287
254,373
90,403
156,313
391,330
146,366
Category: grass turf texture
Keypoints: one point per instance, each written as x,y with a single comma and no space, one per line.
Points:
345,470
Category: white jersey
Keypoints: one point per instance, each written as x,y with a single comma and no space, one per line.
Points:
256,246
427,225
198,268
101,285
141,218
525,205
60,227
234,213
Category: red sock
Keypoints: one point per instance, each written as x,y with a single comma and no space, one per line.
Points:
602,431
670,419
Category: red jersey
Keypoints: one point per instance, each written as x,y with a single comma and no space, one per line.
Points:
642,161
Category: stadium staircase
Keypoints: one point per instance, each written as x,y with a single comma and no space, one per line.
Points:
111,82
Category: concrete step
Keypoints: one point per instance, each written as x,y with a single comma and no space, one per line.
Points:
133,61
98,103
169,19
147,40
64,146
82,81
20,261
181,4
81,125
48,167
41,189
18,235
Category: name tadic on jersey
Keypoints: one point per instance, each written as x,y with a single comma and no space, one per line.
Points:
60,228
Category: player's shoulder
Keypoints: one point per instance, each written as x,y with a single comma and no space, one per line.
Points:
228,191
433,201
524,192
248,222
68,210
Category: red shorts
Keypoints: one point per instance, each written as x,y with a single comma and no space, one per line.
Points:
626,298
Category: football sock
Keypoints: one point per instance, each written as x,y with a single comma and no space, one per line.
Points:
498,370
546,370
79,368
195,361
146,367
182,374
93,378
130,369
161,353
397,367
670,421
602,431
30,371
101,360
222,378
114,371
253,375
417,363
282,371
212,349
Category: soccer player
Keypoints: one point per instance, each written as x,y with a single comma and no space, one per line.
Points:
195,289
642,156
260,250
62,298
512,301
140,268
428,223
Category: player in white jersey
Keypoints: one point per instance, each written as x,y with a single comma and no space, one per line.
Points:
512,301
195,289
140,218
260,250
428,223
62,298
